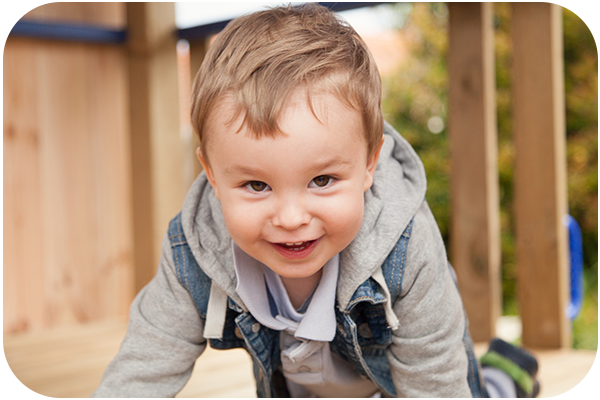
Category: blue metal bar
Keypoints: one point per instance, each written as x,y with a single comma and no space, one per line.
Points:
576,261
69,32
203,31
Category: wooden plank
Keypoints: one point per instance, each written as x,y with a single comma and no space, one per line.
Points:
64,362
84,156
66,184
157,178
111,282
220,373
22,258
69,362
540,173
475,229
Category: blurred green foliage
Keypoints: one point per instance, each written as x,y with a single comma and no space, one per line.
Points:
416,95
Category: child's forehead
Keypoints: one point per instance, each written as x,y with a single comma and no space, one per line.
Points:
320,105
323,110
305,146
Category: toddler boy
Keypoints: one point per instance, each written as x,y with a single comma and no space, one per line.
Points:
307,239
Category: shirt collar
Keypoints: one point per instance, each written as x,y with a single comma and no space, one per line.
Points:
318,322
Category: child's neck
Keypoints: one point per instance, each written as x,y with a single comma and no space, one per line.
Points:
298,289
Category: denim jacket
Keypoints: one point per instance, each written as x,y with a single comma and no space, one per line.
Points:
362,333
399,316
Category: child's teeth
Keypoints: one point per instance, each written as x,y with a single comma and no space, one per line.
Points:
294,244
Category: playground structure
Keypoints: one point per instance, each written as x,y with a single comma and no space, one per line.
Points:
94,161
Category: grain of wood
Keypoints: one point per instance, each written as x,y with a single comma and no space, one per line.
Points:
69,362
540,202
22,258
65,362
68,246
475,227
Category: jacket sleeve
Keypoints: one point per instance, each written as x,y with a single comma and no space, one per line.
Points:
163,340
427,356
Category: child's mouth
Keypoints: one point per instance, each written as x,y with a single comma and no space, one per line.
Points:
296,246
296,250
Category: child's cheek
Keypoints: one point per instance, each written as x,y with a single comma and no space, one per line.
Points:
243,220
342,216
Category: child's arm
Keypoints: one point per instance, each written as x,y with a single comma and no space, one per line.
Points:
427,356
163,340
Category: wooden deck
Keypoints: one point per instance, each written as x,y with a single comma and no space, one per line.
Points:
70,363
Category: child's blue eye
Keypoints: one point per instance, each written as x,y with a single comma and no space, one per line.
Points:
257,186
321,181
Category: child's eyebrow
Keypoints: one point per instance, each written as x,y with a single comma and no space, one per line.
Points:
242,170
247,170
336,162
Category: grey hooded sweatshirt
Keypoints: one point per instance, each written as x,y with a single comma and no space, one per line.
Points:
427,356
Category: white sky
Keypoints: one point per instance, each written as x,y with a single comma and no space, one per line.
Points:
366,20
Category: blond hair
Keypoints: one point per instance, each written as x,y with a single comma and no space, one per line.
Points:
260,59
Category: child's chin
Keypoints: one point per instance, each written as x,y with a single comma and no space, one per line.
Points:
296,270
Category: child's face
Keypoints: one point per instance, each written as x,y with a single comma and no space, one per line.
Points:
292,202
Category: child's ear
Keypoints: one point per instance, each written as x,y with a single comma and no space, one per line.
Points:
207,170
372,166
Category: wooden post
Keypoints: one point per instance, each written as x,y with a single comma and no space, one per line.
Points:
475,229
198,49
188,141
155,141
540,173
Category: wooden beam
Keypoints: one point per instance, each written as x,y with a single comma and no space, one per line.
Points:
475,229
198,49
185,127
157,175
540,173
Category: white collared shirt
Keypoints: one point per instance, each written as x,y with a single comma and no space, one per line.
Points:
310,368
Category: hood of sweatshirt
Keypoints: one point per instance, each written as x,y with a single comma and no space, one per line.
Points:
397,192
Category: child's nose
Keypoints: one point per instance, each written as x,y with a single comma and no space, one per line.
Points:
291,214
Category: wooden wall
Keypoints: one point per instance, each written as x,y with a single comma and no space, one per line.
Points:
67,191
